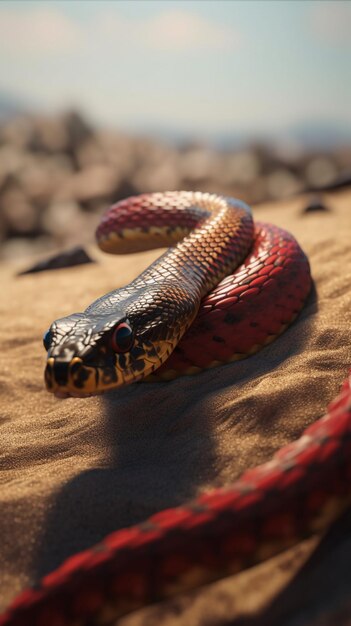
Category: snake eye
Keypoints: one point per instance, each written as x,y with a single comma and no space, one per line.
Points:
47,339
122,338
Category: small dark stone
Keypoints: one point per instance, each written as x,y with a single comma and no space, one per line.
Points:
315,205
70,258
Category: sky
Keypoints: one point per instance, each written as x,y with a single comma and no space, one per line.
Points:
193,66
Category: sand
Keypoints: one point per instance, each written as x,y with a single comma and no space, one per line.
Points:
74,470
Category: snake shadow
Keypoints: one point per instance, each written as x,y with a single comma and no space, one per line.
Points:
151,459
158,451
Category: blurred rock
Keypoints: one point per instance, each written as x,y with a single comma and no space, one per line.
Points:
243,167
96,181
343,157
63,218
50,135
162,177
282,183
320,171
20,216
198,165
340,182
78,129
17,132
43,177
58,174
12,159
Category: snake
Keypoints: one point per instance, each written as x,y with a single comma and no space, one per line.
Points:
223,290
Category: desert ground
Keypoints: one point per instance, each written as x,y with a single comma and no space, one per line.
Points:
74,470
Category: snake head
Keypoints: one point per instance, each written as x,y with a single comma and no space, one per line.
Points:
109,346
90,355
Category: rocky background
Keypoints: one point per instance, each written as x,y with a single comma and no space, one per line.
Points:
57,174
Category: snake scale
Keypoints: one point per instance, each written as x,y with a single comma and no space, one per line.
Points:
223,290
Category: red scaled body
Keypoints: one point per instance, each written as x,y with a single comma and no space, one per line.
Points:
301,490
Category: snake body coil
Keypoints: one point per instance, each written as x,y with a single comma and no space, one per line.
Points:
152,314
173,320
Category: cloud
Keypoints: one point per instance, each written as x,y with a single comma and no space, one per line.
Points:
331,22
42,30
180,30
172,30
48,30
